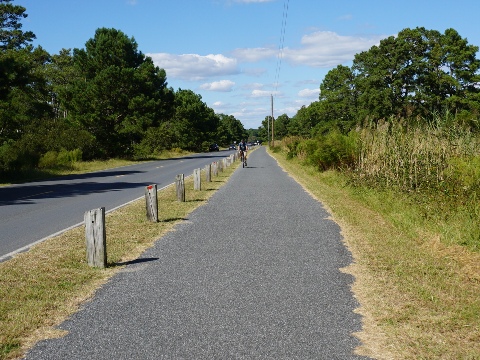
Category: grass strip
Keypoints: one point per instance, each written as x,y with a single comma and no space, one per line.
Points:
419,296
81,167
42,287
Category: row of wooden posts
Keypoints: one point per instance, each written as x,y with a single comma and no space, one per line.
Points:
95,234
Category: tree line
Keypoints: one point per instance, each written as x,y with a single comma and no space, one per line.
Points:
104,100
415,76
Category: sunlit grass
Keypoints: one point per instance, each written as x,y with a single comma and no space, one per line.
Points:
41,287
419,296
81,167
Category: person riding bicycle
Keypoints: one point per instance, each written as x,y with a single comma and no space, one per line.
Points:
242,147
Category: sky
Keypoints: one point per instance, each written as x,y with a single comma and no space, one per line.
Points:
239,55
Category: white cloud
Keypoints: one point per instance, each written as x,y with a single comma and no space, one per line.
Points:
309,93
307,82
252,86
264,93
256,72
222,85
321,49
254,54
318,49
195,67
327,49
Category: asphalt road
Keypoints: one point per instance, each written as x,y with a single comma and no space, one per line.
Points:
34,211
253,274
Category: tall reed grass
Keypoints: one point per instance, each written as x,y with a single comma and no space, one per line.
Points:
435,164
438,165
428,157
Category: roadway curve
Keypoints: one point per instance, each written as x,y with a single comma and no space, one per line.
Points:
35,211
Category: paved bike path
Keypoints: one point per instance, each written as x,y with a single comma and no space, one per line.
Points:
253,274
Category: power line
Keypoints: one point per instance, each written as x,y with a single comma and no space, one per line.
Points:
281,43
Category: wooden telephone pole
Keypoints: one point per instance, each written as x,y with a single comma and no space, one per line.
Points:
273,138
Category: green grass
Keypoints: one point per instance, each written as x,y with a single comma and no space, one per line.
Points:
419,295
80,167
418,292
42,287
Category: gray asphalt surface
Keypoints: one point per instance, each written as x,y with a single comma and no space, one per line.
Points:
253,274
33,211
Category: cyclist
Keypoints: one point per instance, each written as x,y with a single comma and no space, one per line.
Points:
242,147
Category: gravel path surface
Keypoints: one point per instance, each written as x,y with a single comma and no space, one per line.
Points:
253,274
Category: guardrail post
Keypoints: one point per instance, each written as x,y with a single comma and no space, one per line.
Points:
96,238
151,202
208,173
197,182
180,187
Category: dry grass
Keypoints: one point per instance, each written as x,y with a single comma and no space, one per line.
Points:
419,297
42,287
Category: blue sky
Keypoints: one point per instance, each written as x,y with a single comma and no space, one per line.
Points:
237,53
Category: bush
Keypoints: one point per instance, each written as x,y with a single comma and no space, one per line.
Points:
462,177
8,156
155,140
332,150
62,159
14,157
291,144
48,160
306,149
67,158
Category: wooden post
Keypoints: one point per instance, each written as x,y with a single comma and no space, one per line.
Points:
215,168
197,182
220,166
208,172
96,239
151,202
180,187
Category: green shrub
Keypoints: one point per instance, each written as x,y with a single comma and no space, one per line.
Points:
48,160
291,144
464,174
306,148
333,150
67,158
8,156
63,159
16,156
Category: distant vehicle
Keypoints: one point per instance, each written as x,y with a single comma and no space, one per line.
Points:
214,147
232,147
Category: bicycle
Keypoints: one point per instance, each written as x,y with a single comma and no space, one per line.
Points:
243,158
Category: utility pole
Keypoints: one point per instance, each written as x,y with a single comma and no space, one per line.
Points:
268,131
273,138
